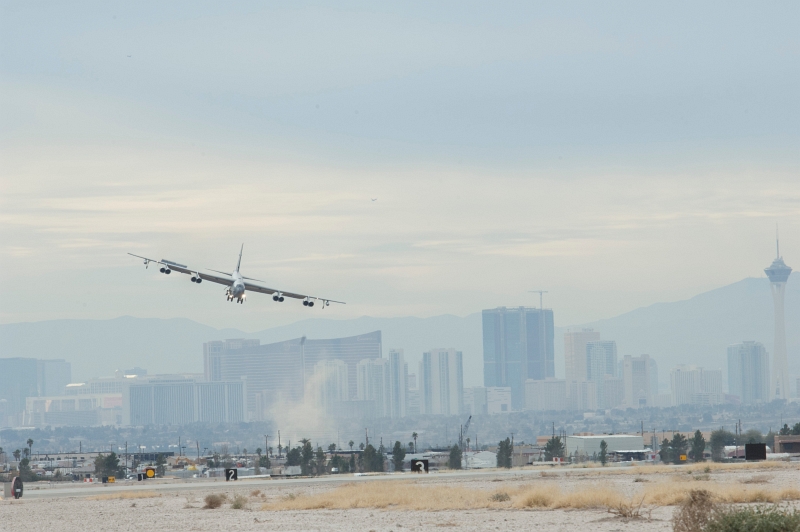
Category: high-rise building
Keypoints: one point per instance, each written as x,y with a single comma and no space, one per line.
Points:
374,384
398,388
475,401
517,345
18,380
329,383
695,385
748,373
547,394
442,383
613,392
778,273
575,353
498,400
640,376
53,376
601,364
277,373
162,400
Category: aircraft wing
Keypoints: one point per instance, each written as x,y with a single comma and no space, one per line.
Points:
182,268
264,290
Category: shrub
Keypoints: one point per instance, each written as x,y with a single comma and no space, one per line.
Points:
695,512
214,500
758,519
500,496
239,502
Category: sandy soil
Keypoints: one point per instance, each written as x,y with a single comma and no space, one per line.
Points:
174,511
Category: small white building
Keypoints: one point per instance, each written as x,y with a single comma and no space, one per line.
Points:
590,445
479,460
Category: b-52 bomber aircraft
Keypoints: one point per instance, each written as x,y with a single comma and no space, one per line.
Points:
236,284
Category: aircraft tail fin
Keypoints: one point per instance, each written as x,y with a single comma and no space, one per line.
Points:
238,264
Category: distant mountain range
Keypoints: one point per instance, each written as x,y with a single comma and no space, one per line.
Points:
694,331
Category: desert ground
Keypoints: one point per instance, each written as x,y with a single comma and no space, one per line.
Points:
535,498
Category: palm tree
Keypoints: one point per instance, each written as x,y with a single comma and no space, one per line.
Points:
332,447
30,446
361,445
17,454
26,452
414,435
468,444
351,443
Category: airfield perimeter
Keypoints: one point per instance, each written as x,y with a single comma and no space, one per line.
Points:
533,498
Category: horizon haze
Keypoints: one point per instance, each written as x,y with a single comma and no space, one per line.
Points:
616,156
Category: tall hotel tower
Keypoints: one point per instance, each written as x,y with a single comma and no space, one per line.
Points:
778,274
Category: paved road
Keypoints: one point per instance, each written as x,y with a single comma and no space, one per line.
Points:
47,491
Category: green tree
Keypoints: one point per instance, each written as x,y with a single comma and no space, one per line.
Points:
351,443
553,449
414,436
264,462
294,457
25,472
353,463
753,436
306,455
30,446
719,439
108,466
372,459
679,445
332,447
16,455
665,452
603,452
398,456
257,462
319,461
785,430
504,453
161,464
455,457
796,429
698,446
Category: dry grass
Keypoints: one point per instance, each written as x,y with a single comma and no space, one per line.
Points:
413,496
758,479
675,493
125,495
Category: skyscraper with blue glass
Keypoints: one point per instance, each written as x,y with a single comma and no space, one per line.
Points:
517,345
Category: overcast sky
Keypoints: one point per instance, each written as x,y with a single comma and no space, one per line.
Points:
616,154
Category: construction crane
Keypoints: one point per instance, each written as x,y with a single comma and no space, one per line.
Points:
464,430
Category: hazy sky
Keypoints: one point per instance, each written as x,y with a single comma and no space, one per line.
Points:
616,154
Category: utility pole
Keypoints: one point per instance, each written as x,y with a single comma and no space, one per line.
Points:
366,435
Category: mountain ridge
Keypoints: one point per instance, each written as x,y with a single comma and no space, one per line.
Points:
692,331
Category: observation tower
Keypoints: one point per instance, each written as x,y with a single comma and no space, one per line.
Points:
778,274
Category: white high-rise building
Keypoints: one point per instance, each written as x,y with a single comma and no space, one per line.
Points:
695,385
373,383
547,394
398,386
575,353
442,382
748,373
640,378
778,274
601,364
329,383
